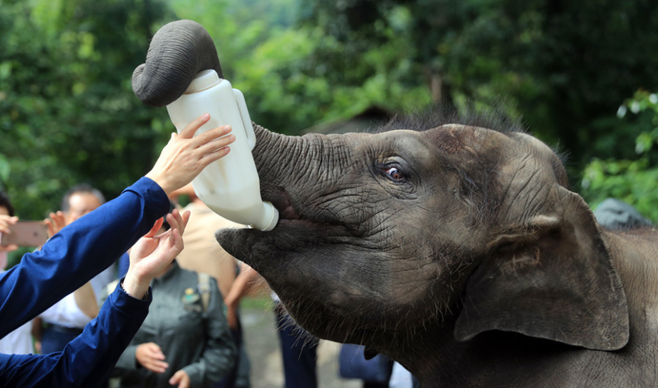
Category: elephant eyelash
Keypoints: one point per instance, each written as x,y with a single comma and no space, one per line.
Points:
393,172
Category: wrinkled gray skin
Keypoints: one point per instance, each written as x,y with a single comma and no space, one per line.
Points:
459,251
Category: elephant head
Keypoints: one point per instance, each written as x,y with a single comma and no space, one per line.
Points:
428,234
438,225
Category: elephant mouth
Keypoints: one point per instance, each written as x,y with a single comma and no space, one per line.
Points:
295,233
290,217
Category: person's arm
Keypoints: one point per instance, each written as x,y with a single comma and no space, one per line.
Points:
87,360
240,287
90,244
219,353
85,299
77,253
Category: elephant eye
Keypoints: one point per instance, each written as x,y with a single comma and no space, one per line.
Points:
394,174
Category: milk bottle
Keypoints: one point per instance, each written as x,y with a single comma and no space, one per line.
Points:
229,186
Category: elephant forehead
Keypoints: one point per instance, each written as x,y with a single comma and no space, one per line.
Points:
396,142
457,138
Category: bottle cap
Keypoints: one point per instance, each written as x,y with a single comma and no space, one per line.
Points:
204,79
270,217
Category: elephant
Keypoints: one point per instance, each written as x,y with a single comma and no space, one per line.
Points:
453,244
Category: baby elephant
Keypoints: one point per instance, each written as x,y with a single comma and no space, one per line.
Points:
452,244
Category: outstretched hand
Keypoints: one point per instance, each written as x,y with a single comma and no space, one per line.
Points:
5,224
183,158
153,253
55,223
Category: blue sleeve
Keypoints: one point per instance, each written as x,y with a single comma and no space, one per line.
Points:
124,264
87,360
78,252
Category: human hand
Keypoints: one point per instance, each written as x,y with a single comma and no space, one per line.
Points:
5,224
181,378
55,223
152,254
183,158
150,356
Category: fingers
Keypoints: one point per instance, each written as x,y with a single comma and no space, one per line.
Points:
214,156
157,366
181,378
150,357
155,349
55,223
177,221
6,222
50,226
176,378
215,134
8,248
178,244
156,227
215,145
189,131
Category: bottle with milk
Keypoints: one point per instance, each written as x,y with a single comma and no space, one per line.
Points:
229,186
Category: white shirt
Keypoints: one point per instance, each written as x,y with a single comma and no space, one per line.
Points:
18,341
66,312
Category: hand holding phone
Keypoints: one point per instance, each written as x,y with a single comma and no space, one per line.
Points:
25,234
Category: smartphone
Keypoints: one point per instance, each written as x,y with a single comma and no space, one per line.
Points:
26,234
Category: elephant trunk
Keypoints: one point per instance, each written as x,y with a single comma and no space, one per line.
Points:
276,157
178,51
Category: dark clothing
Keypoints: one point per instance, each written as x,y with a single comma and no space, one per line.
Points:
299,357
122,265
67,261
54,338
230,380
195,341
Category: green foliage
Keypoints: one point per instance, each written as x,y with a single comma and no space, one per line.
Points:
283,71
67,111
634,181
563,65
68,114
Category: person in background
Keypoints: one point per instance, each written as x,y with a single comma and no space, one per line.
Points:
18,341
615,214
185,339
89,245
66,319
298,347
203,254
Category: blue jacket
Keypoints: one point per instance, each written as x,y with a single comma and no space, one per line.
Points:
67,261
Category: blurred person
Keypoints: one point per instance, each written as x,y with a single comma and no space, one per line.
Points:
613,213
298,347
66,319
185,339
86,247
18,341
203,254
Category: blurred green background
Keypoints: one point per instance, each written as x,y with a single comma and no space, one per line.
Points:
581,74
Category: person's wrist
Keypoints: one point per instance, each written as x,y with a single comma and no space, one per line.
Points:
135,286
162,181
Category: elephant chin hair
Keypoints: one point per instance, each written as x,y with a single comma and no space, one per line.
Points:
178,51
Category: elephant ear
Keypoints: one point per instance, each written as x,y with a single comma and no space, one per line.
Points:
552,278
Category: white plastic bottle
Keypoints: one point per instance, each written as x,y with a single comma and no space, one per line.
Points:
229,186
